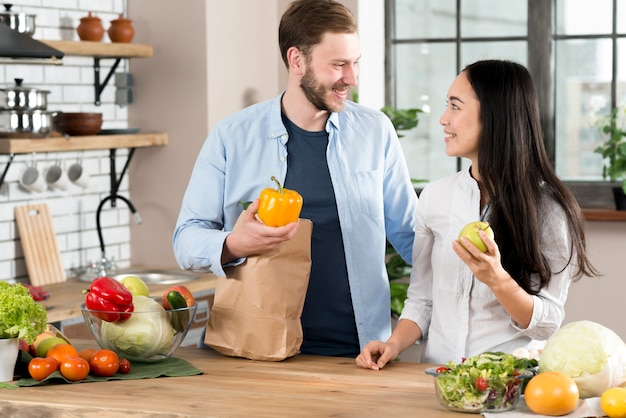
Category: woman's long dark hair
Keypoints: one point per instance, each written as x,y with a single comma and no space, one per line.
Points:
517,173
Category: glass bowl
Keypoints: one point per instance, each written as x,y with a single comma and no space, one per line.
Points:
464,394
147,336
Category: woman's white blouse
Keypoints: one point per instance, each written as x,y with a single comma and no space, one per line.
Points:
459,315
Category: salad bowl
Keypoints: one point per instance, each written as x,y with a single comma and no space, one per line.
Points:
490,382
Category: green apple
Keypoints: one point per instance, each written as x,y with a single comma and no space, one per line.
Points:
47,344
136,286
470,231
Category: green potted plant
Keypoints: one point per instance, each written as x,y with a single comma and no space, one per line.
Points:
21,318
613,151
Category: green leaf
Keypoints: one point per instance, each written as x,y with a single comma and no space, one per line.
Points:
402,119
172,366
245,204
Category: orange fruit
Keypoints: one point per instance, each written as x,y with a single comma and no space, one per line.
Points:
613,402
551,393
62,351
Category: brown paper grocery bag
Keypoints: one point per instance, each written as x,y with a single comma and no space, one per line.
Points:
257,307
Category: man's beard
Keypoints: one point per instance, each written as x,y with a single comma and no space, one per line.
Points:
316,93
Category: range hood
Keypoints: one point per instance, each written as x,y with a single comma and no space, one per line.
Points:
18,48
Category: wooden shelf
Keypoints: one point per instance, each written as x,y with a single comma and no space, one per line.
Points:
604,215
102,49
81,143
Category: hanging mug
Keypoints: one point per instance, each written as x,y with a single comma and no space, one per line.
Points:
32,180
57,178
78,175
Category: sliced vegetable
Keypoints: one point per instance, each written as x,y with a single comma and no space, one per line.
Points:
484,382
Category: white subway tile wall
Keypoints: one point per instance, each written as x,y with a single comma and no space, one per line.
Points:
71,89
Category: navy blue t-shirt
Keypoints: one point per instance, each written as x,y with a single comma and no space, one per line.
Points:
328,317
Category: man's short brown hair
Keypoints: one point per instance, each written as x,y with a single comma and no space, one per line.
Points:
306,21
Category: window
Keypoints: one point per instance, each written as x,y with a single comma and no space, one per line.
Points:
575,50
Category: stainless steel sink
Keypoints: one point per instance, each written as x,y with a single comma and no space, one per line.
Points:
151,276
160,276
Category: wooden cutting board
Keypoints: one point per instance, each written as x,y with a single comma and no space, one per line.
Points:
39,243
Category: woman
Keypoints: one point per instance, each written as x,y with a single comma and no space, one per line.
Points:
461,301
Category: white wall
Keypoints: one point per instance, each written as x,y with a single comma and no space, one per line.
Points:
601,299
71,89
222,57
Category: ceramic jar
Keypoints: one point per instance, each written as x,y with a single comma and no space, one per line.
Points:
90,28
121,30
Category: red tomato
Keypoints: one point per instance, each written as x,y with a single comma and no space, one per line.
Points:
441,369
62,351
104,363
86,353
481,384
185,293
42,367
74,368
124,366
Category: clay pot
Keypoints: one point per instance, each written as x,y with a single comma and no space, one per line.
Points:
90,28
121,30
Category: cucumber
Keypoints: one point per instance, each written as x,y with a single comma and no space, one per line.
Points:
180,318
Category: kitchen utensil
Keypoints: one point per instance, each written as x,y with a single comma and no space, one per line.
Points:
90,28
20,22
57,178
41,252
121,30
25,123
78,175
20,97
32,180
78,123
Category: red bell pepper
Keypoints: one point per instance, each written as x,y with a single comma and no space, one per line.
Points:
111,297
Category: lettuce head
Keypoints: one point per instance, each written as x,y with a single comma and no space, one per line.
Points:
591,354
146,333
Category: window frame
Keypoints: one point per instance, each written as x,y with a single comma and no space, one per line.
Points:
542,41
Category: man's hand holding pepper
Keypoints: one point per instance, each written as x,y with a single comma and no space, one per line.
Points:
250,236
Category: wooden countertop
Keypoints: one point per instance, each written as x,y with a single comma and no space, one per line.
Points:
65,298
231,387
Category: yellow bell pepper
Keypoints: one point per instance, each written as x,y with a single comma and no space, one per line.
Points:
279,207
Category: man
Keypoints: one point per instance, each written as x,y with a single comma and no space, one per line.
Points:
344,159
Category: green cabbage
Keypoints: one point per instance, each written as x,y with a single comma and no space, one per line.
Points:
146,333
591,354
